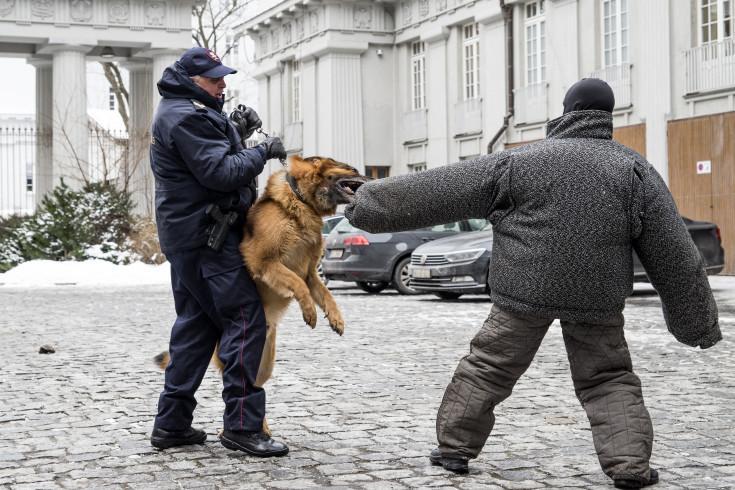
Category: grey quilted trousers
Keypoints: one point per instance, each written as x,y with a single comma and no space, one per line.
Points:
603,378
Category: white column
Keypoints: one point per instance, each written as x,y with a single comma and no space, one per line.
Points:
162,58
309,105
340,132
437,127
274,124
562,56
138,176
70,153
43,168
653,77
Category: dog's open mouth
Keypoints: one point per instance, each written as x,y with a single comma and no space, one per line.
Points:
349,186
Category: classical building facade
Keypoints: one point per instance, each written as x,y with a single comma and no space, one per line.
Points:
58,37
398,86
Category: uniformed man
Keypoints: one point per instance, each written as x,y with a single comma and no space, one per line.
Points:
198,160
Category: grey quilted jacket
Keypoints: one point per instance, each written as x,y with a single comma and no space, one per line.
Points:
567,212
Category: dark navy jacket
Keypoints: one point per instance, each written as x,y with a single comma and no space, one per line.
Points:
198,159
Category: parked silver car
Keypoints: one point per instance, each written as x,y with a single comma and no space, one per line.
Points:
459,265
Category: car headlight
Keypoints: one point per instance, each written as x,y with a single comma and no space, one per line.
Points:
464,255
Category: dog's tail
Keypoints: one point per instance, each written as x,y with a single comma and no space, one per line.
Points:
162,359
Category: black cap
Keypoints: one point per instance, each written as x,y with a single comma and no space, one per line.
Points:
204,62
589,94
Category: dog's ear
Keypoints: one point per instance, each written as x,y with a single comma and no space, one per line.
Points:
300,166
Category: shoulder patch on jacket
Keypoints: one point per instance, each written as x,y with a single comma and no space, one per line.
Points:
198,104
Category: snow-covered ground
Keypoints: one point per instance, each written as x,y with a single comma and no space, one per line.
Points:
45,273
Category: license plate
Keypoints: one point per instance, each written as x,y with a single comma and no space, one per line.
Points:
336,253
422,273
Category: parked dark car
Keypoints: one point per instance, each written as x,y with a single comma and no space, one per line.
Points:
329,223
459,265
376,260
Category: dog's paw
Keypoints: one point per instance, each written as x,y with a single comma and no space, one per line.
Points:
337,323
309,316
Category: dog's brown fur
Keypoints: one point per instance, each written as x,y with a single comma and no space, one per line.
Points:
282,246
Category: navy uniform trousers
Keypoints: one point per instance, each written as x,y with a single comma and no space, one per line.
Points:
216,301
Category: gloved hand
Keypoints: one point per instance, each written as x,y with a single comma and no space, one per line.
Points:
273,148
245,120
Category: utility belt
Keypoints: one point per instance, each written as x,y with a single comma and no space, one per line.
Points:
222,224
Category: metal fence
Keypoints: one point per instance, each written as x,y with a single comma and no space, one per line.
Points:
108,160
17,158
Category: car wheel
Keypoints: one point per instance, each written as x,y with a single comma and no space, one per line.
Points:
319,271
401,277
448,295
372,287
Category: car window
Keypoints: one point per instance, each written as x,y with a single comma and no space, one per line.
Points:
445,227
344,226
330,224
477,224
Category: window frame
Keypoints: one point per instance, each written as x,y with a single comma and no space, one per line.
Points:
534,47
615,32
418,75
721,23
471,61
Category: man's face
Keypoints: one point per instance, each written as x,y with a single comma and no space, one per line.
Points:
213,86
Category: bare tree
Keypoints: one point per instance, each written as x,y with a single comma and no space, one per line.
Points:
214,19
211,21
112,73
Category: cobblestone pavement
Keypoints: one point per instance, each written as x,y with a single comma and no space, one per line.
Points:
357,411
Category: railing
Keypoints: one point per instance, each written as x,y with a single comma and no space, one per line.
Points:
710,67
619,79
414,126
109,155
468,117
109,159
531,103
17,157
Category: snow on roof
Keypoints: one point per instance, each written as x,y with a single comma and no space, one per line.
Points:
107,120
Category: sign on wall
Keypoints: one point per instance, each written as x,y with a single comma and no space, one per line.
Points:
704,167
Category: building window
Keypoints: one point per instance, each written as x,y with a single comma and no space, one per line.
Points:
419,167
471,60
615,31
418,75
111,99
296,90
377,172
29,176
716,20
535,43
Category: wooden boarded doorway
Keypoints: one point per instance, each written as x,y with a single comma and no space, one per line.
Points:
705,196
631,136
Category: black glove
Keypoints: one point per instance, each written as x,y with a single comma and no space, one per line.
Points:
245,120
273,148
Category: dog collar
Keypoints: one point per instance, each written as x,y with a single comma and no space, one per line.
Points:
294,187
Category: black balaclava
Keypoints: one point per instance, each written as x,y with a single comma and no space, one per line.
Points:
589,94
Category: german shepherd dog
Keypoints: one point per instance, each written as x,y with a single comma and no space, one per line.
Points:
283,244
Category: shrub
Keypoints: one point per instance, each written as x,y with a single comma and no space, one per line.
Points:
143,242
95,222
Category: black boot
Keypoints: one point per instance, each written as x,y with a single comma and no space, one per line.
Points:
256,443
627,483
458,465
169,438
